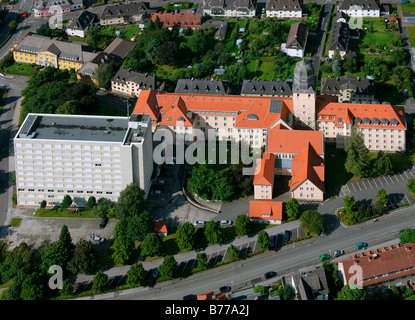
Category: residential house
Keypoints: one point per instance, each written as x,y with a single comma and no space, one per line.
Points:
161,228
47,8
339,39
297,40
178,20
124,13
78,26
284,8
310,283
221,26
265,211
130,82
349,89
381,268
229,8
360,8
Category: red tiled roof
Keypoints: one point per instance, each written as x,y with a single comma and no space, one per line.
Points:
307,165
147,104
264,170
386,263
293,141
184,20
265,209
177,112
349,111
160,227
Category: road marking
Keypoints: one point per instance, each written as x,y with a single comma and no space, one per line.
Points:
375,184
410,171
353,187
391,179
364,184
406,174
401,176
369,183
386,180
380,181
397,180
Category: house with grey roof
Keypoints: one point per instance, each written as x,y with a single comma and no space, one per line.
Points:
221,26
130,82
310,284
198,86
229,8
349,89
47,8
284,8
78,26
360,8
266,88
339,39
297,40
124,13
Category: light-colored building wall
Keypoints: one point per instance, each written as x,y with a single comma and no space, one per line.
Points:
262,192
283,14
307,191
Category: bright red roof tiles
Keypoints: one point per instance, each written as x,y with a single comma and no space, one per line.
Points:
264,170
265,209
183,20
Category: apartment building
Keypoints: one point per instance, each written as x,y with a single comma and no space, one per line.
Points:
179,20
229,8
123,13
47,51
47,8
81,156
349,89
381,268
383,126
284,8
80,25
266,88
200,86
130,82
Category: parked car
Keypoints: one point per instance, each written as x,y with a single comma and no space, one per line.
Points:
97,238
270,274
272,241
325,256
199,223
338,253
225,289
103,222
160,182
156,192
225,222
24,15
287,236
361,245
155,274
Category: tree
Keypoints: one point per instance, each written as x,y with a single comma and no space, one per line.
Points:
292,208
84,258
350,204
407,236
242,225
213,232
67,288
102,208
337,66
167,53
43,204
69,107
100,282
135,275
357,160
123,249
131,202
201,258
382,197
139,225
104,73
263,240
91,203
232,252
32,287
350,65
66,202
382,165
185,236
198,43
13,25
312,222
168,268
346,293
411,185
151,245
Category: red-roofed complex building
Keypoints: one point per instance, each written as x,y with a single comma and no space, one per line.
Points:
264,176
180,20
265,211
381,268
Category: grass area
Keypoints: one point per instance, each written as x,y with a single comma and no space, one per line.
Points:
411,35
22,69
69,213
15,222
408,8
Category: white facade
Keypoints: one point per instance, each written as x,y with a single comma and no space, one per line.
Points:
283,14
50,168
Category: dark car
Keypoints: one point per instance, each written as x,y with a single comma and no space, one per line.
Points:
225,289
103,223
270,274
190,297
287,236
361,245
272,241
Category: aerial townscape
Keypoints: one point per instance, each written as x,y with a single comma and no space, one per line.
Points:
207,150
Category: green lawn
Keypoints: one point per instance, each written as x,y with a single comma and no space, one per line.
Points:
408,8
15,222
411,35
23,69
55,213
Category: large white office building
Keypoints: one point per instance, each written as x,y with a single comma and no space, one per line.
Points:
81,156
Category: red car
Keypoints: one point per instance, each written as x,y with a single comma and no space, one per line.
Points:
24,15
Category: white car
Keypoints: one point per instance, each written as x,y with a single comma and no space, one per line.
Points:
338,253
225,222
97,238
199,223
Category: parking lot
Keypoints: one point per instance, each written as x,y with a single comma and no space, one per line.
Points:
395,186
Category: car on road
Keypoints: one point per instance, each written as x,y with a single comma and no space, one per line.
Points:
156,192
225,289
361,245
24,15
325,256
338,253
270,274
97,238
103,222
225,222
199,223
287,236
